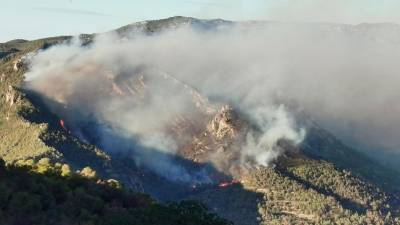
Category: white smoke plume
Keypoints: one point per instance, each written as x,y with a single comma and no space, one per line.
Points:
276,125
343,77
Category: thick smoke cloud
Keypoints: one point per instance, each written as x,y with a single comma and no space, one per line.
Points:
337,11
343,76
276,124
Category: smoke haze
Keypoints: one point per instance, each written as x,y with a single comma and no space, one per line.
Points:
343,76
337,11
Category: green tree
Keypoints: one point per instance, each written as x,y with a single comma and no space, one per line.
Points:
88,172
65,170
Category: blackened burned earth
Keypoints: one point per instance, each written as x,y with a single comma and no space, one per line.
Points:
157,131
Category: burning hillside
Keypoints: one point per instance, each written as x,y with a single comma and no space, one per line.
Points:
218,96
218,116
110,110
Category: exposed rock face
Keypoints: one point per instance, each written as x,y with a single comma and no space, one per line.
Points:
12,96
222,126
17,64
134,87
218,139
2,77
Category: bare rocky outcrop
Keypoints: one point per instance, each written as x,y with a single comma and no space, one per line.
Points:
21,62
134,86
2,77
17,64
12,96
223,124
218,139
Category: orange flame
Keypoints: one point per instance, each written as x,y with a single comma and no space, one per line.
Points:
227,184
62,123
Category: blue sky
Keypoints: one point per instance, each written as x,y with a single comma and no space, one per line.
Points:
30,19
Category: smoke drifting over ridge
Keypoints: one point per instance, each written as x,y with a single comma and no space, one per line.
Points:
132,90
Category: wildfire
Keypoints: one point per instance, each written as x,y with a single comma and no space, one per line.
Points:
227,184
62,123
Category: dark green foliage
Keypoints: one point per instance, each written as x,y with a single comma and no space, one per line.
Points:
350,159
24,46
156,26
29,131
307,191
38,194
